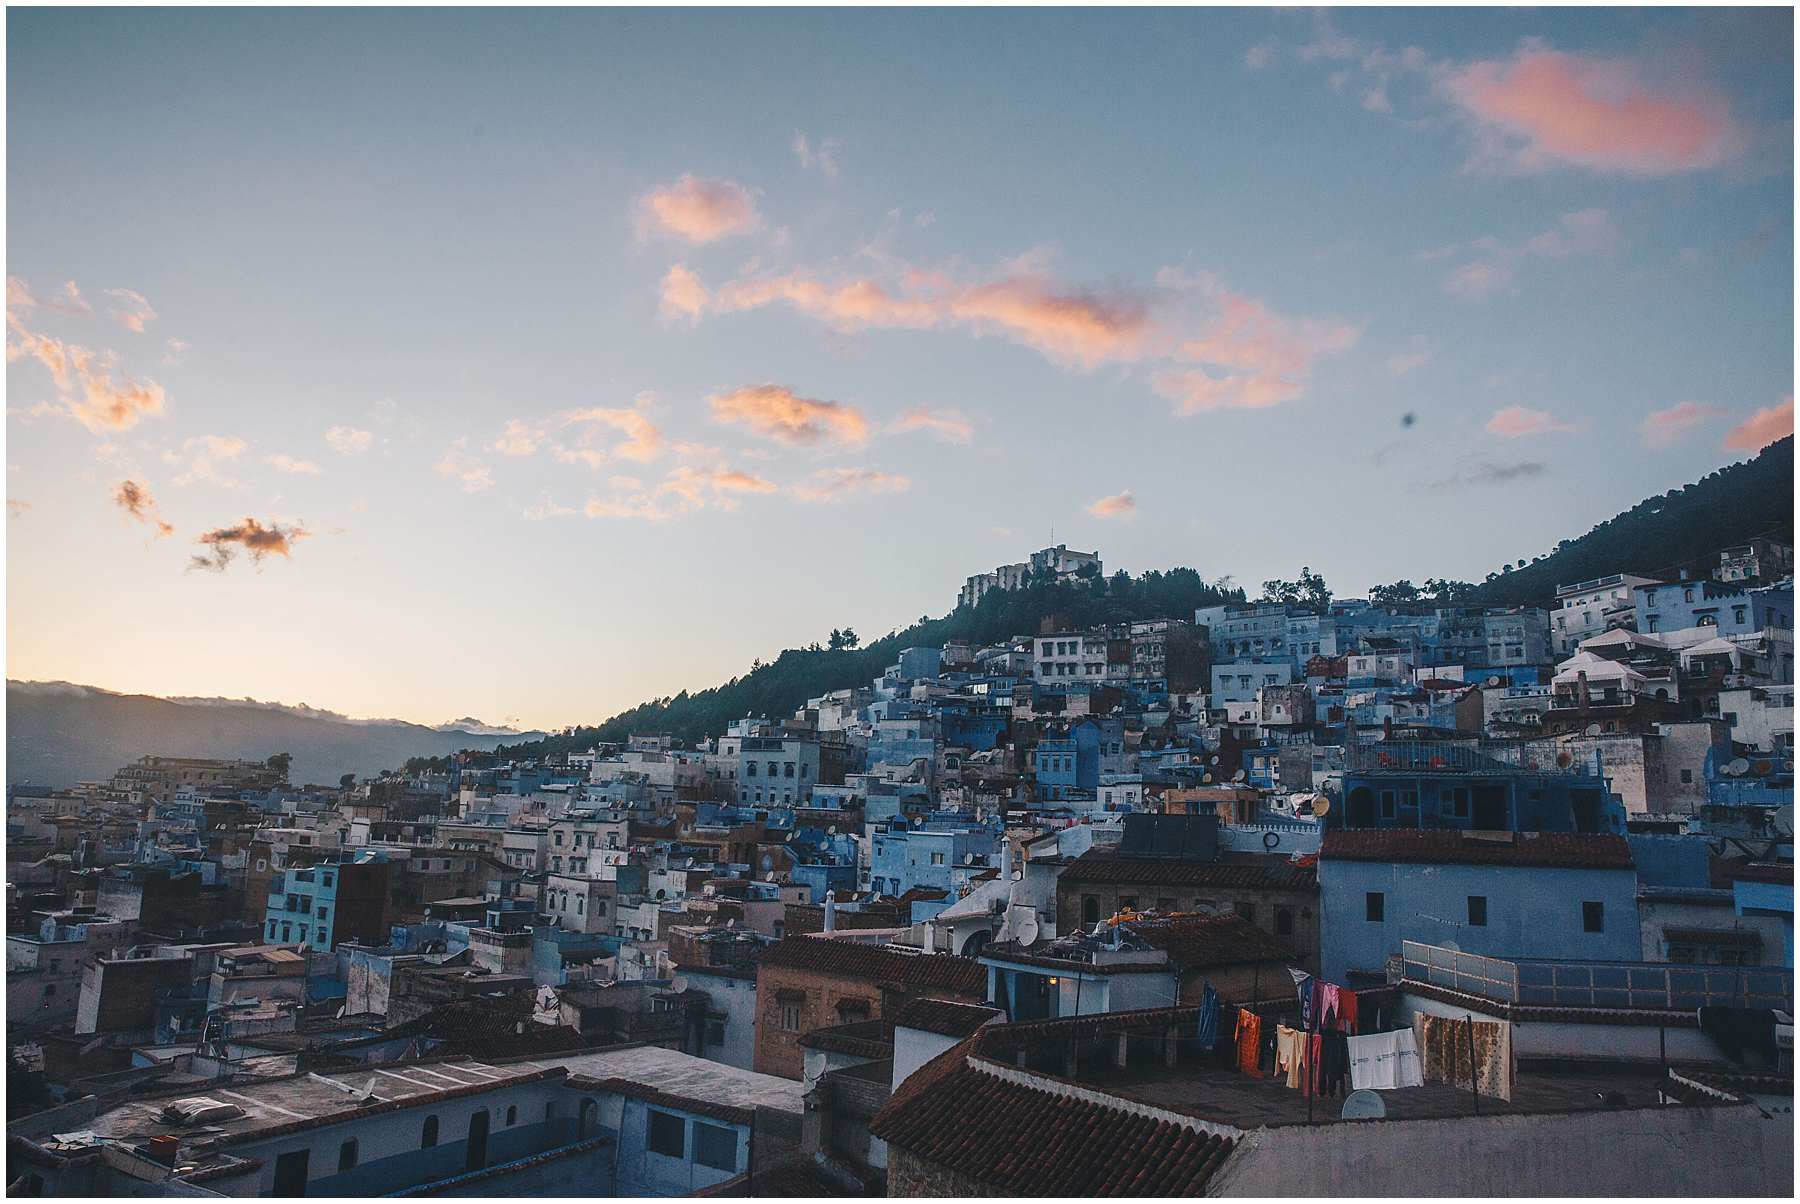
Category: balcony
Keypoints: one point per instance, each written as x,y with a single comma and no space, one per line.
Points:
1546,982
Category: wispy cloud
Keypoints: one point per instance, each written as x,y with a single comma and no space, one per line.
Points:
203,457
684,489
288,464
578,436
821,154
260,540
84,381
1518,422
1666,427
348,440
520,438
130,309
1763,427
698,210
1485,472
1405,362
1119,505
1210,347
457,464
1495,263
135,499
952,426
777,412
15,506
838,484
175,350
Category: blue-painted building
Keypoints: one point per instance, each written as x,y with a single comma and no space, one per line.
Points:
1530,895
326,904
1730,607
1768,898
942,854
1443,784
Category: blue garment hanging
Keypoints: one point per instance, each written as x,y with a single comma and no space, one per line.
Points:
1303,983
1209,1018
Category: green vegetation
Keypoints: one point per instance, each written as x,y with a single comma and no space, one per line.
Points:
1733,505
779,688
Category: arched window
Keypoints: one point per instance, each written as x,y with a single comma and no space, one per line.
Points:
1090,910
347,1155
512,1114
428,1137
1284,921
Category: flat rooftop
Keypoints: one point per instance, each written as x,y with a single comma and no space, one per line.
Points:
682,1074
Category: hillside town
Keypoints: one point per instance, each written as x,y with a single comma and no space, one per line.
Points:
1169,908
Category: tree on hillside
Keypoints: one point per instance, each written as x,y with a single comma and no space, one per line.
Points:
1400,593
280,762
347,781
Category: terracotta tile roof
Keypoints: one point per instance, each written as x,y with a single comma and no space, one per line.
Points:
1546,850
1247,870
1198,941
872,963
1019,1140
945,1017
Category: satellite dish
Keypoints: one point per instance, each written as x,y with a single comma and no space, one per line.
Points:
1238,776
1593,729
1320,806
1028,928
1762,768
1492,681
1206,777
968,859
831,829
1363,1105
1738,767
1214,761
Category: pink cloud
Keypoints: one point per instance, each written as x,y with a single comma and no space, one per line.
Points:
948,425
1251,357
684,489
643,438
1665,427
1517,422
851,306
683,295
836,484
699,211
777,412
1593,113
1763,427
1084,329
130,310
1119,505
1478,279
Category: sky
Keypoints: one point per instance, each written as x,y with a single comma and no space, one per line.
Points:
526,365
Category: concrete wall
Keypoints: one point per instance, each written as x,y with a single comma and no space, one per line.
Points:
1673,1151
644,1173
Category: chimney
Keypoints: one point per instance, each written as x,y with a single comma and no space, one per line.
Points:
1581,691
830,911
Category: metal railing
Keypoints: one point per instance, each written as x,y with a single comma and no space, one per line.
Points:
1546,982
1442,756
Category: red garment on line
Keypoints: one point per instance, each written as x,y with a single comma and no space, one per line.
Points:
1249,1042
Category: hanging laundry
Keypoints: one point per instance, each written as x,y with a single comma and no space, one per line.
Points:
1346,1000
1208,1033
1303,987
1249,1042
1287,1055
1460,1052
1385,1061
1737,1030
1334,1067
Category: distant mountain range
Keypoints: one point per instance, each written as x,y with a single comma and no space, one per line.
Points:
58,733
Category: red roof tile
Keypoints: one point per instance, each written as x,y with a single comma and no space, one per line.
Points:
1548,850
1019,1140
872,963
945,1017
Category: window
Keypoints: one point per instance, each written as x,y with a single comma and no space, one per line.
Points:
715,1032
715,1146
347,1156
790,1017
1246,910
1387,804
1374,906
1593,917
1687,775
428,1137
1090,909
937,859
1457,806
512,1114
668,1134
1478,911
1127,902
1284,921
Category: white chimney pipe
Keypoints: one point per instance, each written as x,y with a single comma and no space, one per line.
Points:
830,911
